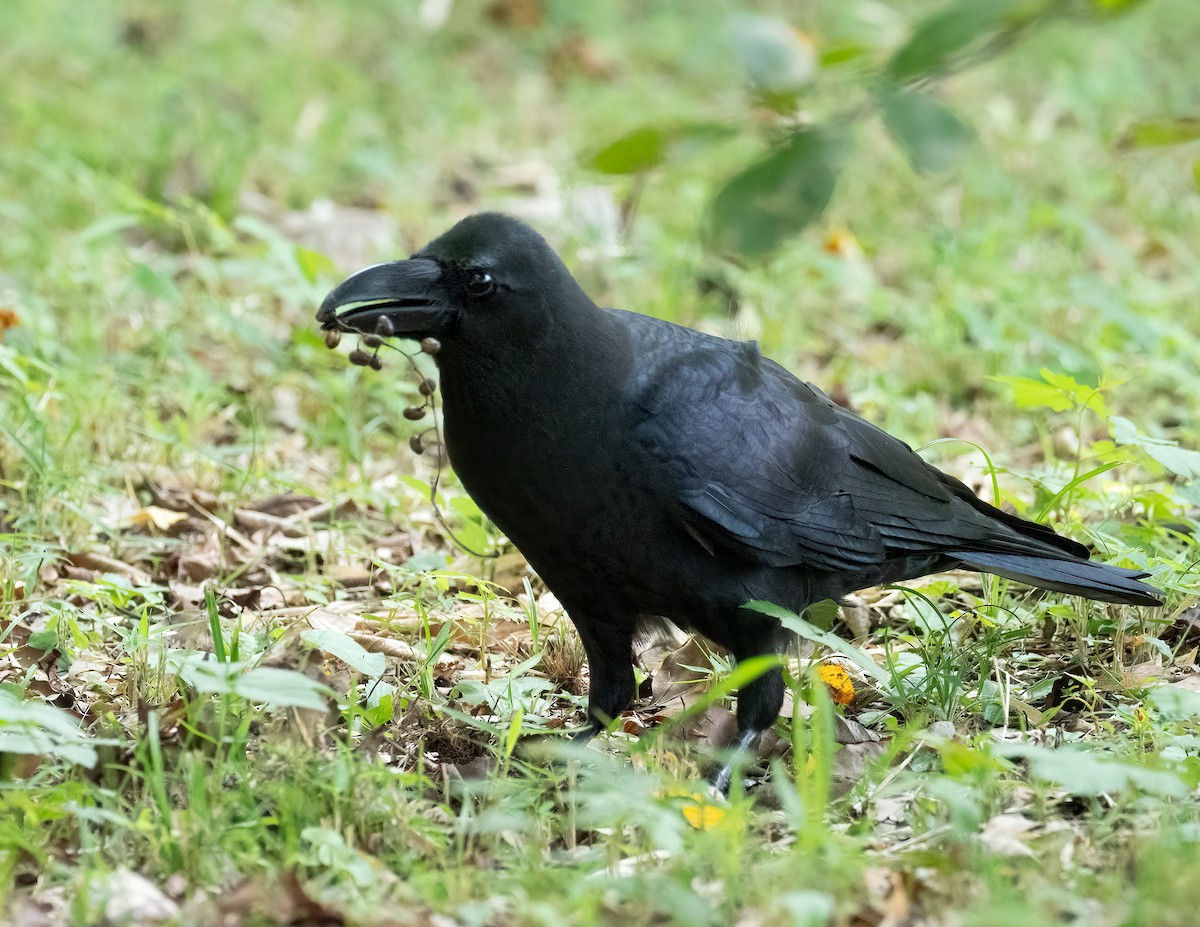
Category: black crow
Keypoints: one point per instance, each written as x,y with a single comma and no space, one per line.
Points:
650,471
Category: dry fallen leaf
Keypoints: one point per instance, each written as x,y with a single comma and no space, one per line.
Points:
133,899
1003,834
682,679
156,517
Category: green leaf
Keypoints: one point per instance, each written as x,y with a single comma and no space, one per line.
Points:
810,632
775,56
647,147
776,197
1083,395
43,640
31,727
1155,134
1083,773
843,54
150,281
633,153
346,649
1178,460
514,731
942,40
1175,703
313,264
945,36
470,528
202,673
1115,7
1034,394
281,688
933,138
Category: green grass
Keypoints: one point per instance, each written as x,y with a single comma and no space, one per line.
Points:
166,356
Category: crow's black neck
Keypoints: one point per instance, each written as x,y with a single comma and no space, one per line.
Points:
500,384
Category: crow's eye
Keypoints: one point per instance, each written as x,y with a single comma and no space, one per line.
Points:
481,284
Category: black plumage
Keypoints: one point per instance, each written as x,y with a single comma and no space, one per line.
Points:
647,470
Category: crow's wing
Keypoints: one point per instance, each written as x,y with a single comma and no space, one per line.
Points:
768,467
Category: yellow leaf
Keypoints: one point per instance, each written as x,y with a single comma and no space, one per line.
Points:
698,809
702,817
841,688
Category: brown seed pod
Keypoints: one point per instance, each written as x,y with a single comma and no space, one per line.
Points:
427,387
384,327
333,338
414,413
430,346
376,362
416,444
360,358
370,341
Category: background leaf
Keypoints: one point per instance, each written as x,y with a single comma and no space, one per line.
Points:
1155,134
941,40
778,196
281,688
649,146
933,137
347,649
637,151
29,726
1179,460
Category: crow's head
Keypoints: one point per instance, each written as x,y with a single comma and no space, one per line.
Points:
490,278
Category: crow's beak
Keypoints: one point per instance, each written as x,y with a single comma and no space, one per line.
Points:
406,293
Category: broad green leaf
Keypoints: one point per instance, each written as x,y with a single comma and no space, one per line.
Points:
649,146
633,153
1175,702
810,632
31,727
775,56
941,40
201,672
948,38
1034,394
823,614
1178,460
1082,394
1084,773
43,640
312,264
776,197
281,688
1155,134
933,138
346,649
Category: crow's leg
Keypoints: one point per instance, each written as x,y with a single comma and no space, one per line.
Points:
612,687
758,702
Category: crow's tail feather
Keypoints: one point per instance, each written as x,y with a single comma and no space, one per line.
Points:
1076,577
